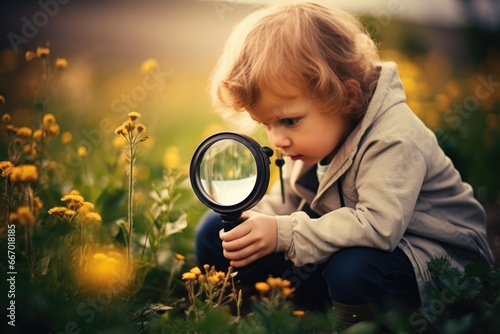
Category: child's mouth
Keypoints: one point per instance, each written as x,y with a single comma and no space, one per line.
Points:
296,157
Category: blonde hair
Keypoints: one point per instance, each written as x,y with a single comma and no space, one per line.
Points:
297,45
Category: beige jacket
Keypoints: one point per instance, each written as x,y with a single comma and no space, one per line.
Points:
400,190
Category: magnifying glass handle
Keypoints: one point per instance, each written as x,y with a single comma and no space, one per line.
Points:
231,220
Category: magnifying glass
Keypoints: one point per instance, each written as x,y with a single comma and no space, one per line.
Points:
229,173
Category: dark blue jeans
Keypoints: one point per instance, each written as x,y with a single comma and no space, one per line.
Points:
352,276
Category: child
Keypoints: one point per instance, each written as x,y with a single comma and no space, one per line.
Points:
370,196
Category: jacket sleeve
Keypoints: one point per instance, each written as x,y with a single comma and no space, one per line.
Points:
389,178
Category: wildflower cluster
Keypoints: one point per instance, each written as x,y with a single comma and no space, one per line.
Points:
274,291
76,210
210,287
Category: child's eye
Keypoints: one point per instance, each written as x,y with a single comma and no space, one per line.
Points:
289,121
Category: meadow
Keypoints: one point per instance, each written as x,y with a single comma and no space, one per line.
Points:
98,216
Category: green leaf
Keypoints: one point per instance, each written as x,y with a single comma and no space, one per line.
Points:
477,270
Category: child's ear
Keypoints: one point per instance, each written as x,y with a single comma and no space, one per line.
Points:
353,90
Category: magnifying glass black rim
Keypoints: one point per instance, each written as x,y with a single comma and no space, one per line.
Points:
261,183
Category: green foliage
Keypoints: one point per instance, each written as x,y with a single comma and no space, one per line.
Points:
464,301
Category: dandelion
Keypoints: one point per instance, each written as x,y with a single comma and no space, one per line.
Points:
6,168
82,151
262,287
66,137
180,257
74,192
298,313
61,63
24,131
24,173
29,56
6,118
149,65
42,52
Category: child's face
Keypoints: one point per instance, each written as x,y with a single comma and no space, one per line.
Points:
297,125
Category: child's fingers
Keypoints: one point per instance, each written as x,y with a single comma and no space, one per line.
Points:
236,233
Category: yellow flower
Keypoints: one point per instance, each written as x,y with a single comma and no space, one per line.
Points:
25,216
287,291
133,115
13,217
74,192
2,100
121,130
37,134
6,167
29,55
180,257
53,129
11,129
42,52
24,173
68,214
188,276
27,149
82,151
262,287
61,63
195,271
93,217
141,128
298,313
24,131
37,203
48,119
66,137
6,118
86,208
99,256
57,211
171,157
149,65
72,198
214,279
277,282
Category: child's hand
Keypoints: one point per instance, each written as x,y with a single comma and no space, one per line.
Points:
251,240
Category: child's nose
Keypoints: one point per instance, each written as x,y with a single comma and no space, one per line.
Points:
279,139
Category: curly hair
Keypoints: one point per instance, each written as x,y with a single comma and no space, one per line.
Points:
297,45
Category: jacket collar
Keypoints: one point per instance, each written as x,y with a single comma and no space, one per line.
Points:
389,92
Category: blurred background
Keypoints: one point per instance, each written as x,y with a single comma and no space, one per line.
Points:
448,53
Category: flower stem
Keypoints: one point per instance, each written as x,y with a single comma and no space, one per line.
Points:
130,198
